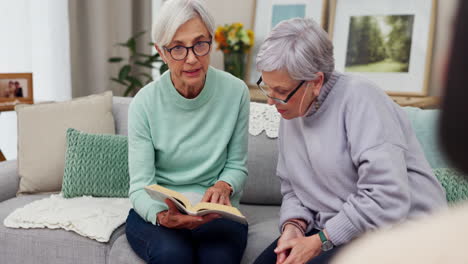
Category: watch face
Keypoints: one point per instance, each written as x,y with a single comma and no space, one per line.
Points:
327,245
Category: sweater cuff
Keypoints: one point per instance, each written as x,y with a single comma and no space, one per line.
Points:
234,178
340,230
284,217
152,211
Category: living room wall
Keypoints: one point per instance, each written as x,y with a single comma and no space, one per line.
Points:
34,39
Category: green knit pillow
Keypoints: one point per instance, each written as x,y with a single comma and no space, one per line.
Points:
95,165
454,183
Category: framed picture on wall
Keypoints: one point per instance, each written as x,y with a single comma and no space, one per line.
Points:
387,41
268,13
15,88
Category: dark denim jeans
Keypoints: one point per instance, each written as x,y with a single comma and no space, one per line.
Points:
268,256
219,241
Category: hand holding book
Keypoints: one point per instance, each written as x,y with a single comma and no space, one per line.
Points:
173,218
191,204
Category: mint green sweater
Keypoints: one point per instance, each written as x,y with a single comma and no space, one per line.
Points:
187,144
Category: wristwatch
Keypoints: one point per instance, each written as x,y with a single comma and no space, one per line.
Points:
326,244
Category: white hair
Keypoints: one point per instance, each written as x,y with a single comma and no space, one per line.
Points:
174,13
299,46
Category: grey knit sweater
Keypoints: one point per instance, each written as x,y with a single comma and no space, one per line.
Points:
353,163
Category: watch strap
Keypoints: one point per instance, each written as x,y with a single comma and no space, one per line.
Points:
322,236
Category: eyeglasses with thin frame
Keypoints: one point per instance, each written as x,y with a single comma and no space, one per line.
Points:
179,52
281,101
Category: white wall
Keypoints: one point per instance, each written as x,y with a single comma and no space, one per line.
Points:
35,38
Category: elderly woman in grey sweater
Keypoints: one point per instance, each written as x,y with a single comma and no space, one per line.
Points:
349,161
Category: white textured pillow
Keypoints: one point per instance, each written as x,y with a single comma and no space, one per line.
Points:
42,137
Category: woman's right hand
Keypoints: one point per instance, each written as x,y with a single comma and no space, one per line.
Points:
172,218
290,232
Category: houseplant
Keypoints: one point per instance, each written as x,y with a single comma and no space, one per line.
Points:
234,41
130,74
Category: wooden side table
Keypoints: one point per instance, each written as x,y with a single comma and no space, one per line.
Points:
425,102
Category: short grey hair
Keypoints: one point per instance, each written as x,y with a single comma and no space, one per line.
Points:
299,46
174,13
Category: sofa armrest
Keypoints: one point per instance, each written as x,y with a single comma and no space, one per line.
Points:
9,179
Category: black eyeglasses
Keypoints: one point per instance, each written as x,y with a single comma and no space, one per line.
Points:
201,48
266,90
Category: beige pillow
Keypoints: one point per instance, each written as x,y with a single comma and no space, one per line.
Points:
42,132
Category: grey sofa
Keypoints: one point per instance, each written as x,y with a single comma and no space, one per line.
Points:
260,203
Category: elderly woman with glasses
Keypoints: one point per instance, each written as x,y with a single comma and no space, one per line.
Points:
349,161
187,132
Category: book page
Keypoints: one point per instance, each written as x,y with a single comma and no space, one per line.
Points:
218,207
193,197
160,193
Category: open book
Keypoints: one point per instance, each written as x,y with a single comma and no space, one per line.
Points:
189,203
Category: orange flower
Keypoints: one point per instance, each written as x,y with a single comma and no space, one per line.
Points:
234,38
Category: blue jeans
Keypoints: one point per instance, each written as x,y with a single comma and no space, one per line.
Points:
268,256
219,241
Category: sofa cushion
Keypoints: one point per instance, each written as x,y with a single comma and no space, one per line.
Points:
425,125
262,185
45,246
95,165
263,230
122,253
41,137
455,184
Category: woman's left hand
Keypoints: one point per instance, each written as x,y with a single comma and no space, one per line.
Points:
218,193
302,249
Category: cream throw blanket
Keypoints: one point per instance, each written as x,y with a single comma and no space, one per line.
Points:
92,217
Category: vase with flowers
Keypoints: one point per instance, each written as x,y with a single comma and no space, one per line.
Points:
234,41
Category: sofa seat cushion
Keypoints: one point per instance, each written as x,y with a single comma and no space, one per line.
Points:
45,245
263,229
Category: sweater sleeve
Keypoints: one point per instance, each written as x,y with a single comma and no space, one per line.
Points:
235,169
378,148
382,197
141,157
291,206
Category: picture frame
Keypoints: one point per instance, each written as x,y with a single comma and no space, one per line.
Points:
388,42
268,13
15,88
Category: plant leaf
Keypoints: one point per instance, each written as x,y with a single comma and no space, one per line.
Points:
146,75
137,35
131,44
135,82
124,71
163,68
119,81
115,59
129,89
